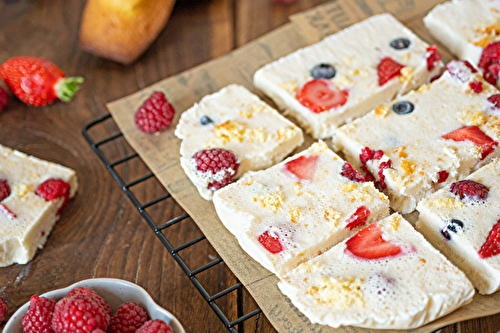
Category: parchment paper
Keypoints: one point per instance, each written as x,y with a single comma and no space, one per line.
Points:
161,152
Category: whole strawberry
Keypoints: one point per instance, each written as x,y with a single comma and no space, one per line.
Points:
37,81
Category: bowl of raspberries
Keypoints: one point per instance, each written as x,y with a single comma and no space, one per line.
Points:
93,306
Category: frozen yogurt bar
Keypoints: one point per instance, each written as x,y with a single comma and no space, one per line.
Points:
299,208
463,222
233,126
32,195
427,138
387,276
347,74
465,27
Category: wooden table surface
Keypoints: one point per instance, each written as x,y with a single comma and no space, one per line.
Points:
100,234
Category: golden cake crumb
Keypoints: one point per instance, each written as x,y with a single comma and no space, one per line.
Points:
406,75
272,201
408,166
294,214
449,203
483,41
423,88
400,151
381,111
332,215
318,148
342,293
21,190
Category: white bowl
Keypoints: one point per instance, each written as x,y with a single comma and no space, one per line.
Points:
114,291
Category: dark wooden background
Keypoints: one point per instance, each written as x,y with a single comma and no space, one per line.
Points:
100,234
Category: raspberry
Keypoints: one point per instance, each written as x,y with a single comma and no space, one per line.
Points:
491,74
80,313
87,291
433,57
368,175
155,114
469,189
4,309
4,189
4,98
128,318
218,164
490,56
98,331
155,326
349,172
38,319
495,100
368,154
381,167
442,176
460,69
53,189
476,86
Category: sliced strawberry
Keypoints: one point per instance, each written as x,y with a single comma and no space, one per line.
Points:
474,135
358,219
6,211
320,95
491,247
369,244
433,57
303,167
387,69
271,243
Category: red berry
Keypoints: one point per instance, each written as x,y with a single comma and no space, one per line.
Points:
155,114
6,211
128,318
387,69
381,167
368,154
369,244
80,313
442,176
4,309
460,69
491,74
433,57
87,291
474,135
4,189
368,175
37,81
98,331
320,95
469,189
38,319
4,98
302,167
490,56
349,172
271,242
53,189
216,160
155,326
476,86
491,247
495,100
358,219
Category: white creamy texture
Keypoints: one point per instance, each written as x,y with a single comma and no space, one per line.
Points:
465,27
22,235
308,216
401,292
413,141
256,133
355,52
478,218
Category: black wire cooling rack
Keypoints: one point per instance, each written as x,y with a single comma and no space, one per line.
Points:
159,230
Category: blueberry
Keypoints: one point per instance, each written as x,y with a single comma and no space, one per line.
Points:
205,120
400,43
454,226
323,71
403,107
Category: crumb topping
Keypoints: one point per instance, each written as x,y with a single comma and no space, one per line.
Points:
342,293
408,166
381,111
238,132
294,214
448,203
331,215
272,201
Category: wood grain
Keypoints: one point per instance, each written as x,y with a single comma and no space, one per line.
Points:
100,234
